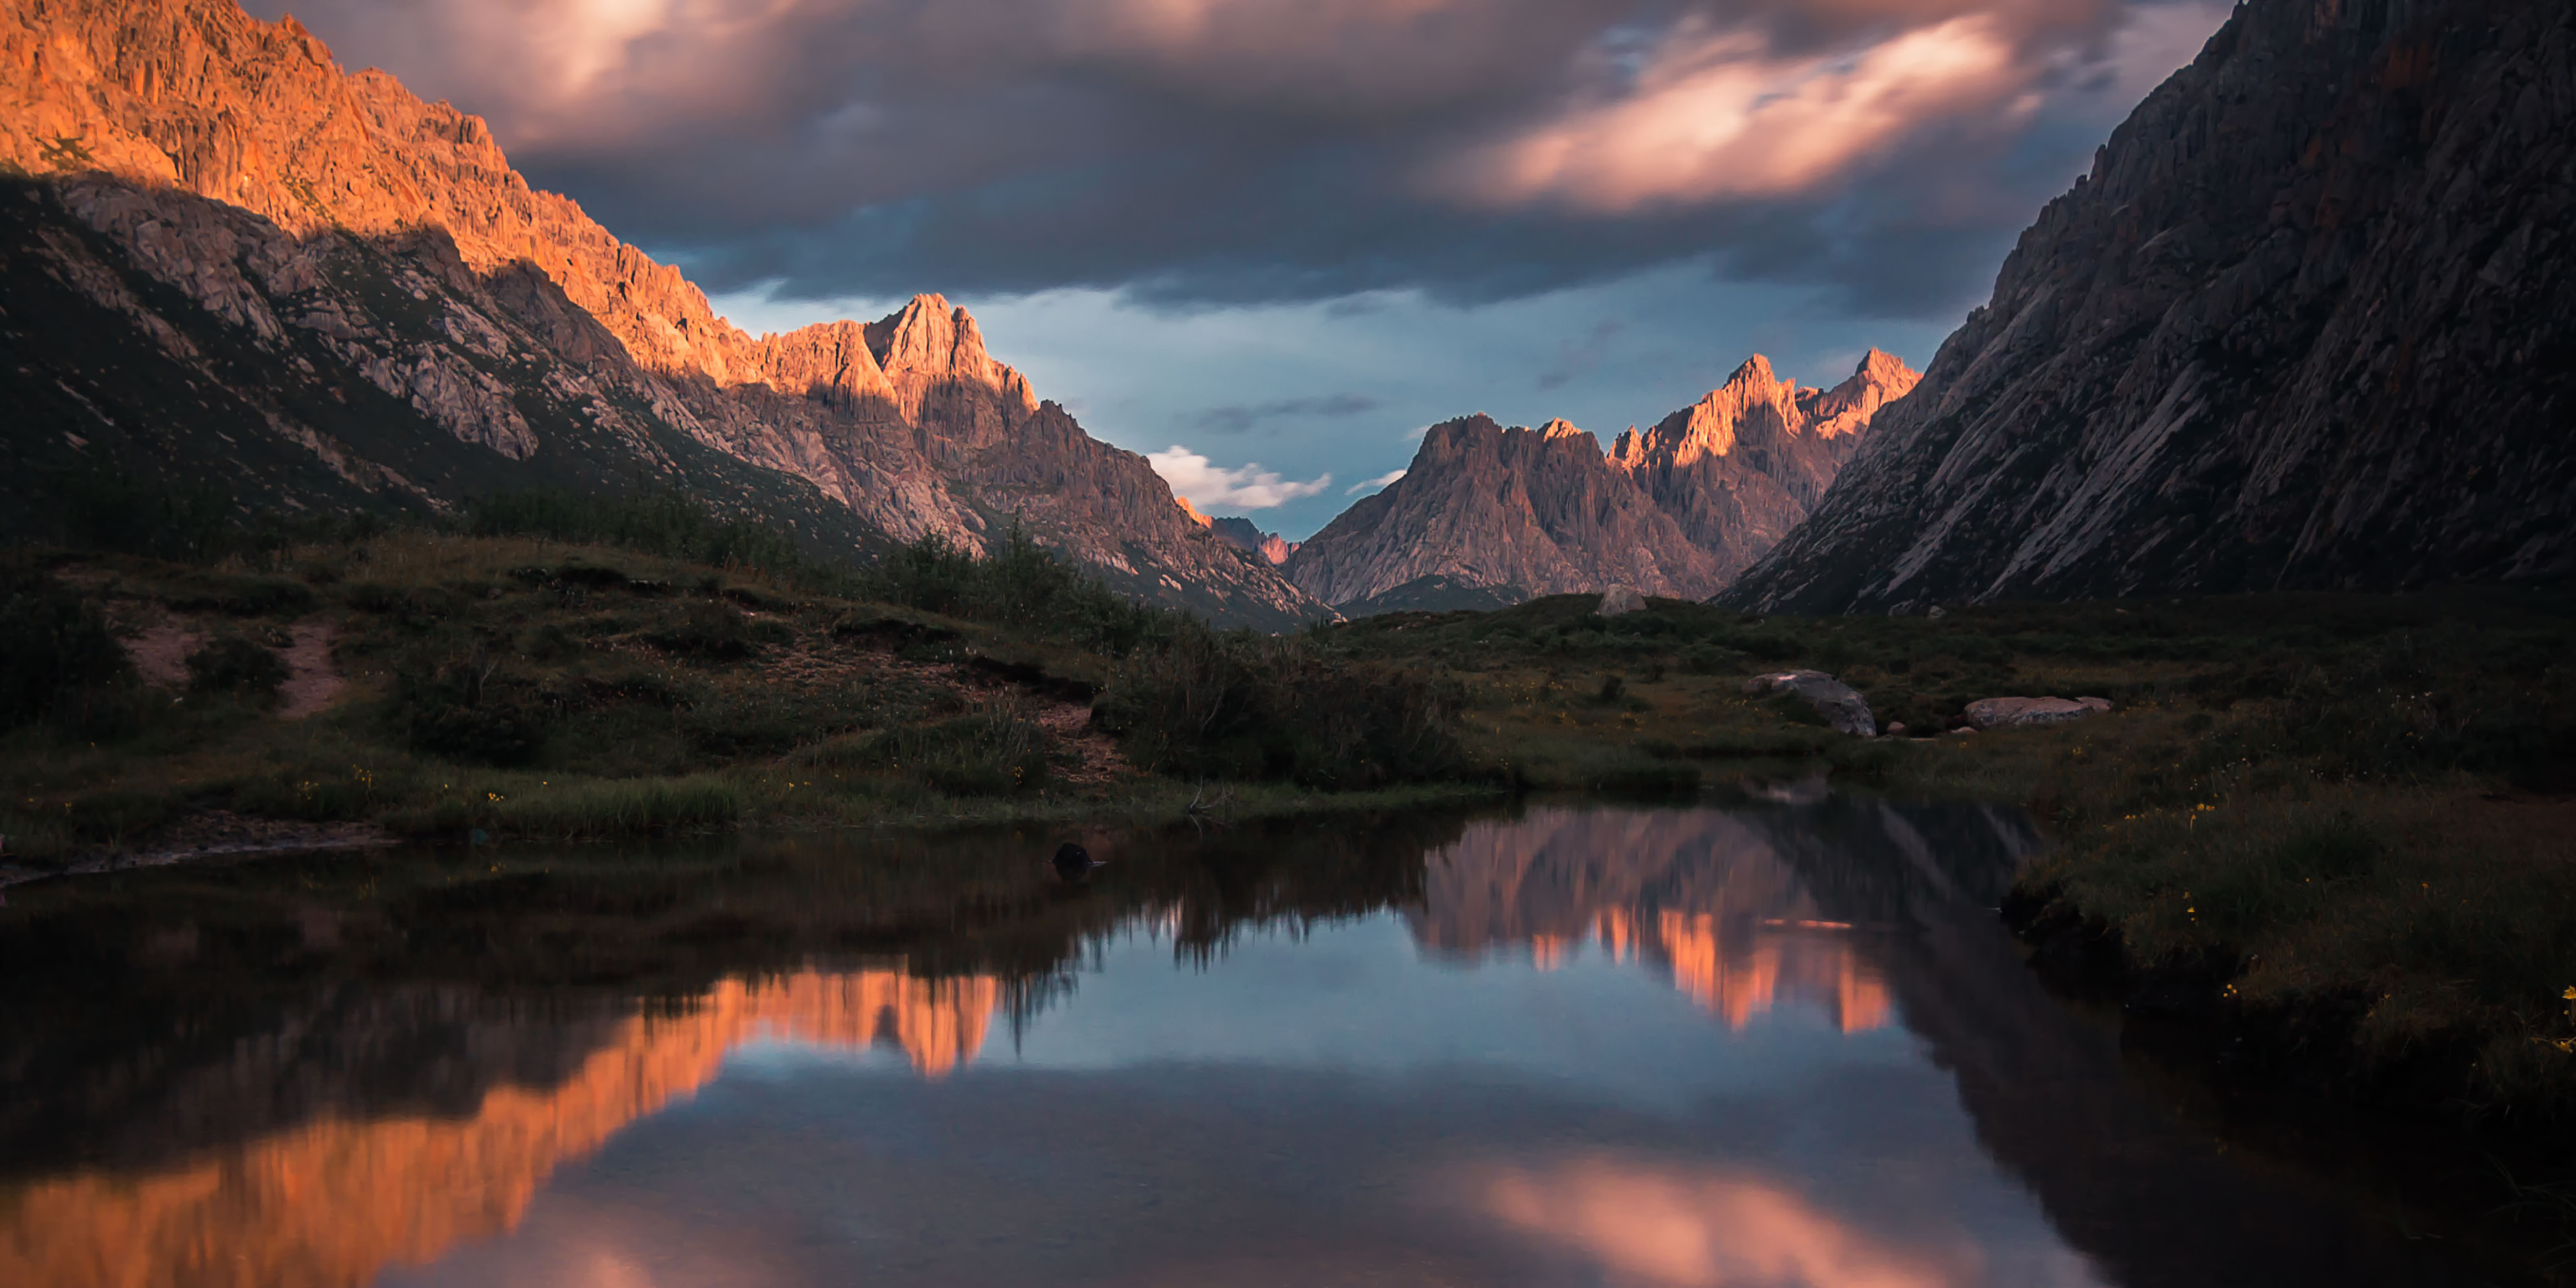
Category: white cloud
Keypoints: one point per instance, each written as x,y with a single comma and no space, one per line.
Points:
1371,485
1247,487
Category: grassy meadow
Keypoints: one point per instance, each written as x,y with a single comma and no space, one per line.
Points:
525,681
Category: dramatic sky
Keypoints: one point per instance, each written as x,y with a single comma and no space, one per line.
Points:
1267,241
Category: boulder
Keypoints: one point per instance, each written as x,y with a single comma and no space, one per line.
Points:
1839,703
1621,599
2001,713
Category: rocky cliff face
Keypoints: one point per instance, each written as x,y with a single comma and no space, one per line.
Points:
2304,325
1243,534
1677,510
231,262
1742,467
1488,506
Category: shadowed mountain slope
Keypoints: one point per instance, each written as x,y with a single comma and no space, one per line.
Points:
2303,326
230,263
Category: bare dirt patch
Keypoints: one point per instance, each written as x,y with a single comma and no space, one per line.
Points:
313,681
160,651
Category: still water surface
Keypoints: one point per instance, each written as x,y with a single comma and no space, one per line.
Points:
1565,1046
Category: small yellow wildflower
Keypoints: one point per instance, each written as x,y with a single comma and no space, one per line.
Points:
2570,994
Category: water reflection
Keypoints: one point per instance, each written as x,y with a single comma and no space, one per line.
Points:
1564,1045
331,1202
1703,1228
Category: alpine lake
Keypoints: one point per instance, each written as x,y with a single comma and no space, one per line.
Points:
1775,1044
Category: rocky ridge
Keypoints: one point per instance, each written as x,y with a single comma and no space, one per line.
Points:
320,291
2302,326
1675,510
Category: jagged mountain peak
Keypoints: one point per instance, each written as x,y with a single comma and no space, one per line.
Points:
1676,509
405,322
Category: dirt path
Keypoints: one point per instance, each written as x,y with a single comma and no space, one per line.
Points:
313,681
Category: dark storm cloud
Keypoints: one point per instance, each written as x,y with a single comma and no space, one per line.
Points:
1232,151
1241,419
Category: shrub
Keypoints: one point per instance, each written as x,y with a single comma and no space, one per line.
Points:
1207,705
467,709
55,650
232,664
713,631
1019,584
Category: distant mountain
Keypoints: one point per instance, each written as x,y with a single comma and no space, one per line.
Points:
1677,510
1242,535
2304,325
229,264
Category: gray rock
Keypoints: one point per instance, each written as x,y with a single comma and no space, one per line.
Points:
2001,713
1621,599
2212,365
1839,703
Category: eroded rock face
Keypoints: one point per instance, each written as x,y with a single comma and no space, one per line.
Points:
288,279
1620,600
1676,510
1538,509
1840,704
2304,325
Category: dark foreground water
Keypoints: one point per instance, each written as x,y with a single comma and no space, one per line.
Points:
1774,1047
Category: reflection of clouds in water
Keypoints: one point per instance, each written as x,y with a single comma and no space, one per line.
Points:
1689,1227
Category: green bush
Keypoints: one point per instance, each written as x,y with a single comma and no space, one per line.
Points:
1020,584
714,631
467,709
1201,704
232,664
55,650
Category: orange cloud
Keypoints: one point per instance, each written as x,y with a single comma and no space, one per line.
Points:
1716,115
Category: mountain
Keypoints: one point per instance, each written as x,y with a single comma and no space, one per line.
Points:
1538,509
1738,470
1242,535
230,264
1489,515
2303,326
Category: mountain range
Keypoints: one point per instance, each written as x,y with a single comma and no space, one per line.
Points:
1487,515
2300,326
229,264
2304,325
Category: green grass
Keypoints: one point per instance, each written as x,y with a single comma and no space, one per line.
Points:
521,686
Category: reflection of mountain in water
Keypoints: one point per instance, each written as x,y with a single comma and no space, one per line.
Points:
1725,902
334,1201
